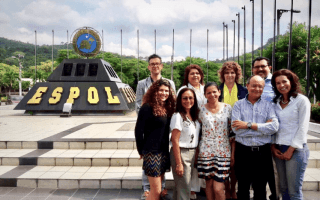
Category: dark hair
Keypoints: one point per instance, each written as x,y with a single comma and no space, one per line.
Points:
187,71
210,84
160,108
261,58
230,65
294,82
154,56
194,109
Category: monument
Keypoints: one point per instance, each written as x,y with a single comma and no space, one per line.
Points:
90,85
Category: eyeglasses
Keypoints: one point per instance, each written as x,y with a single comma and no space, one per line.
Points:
154,64
260,66
186,98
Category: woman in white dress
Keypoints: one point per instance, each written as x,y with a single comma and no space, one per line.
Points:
184,138
214,147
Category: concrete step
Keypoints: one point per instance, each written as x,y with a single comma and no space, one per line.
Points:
67,177
64,157
110,143
98,157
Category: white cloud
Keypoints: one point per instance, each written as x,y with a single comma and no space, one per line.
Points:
165,50
116,48
46,13
24,30
4,18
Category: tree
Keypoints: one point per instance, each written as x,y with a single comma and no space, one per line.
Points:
9,78
298,55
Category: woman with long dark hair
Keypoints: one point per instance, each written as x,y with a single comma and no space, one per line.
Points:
152,133
290,149
184,137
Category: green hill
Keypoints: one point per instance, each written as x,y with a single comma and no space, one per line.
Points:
44,52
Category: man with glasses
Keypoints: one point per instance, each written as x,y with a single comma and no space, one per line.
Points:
155,66
261,66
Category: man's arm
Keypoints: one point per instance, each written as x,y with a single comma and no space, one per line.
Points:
139,96
236,116
272,127
240,127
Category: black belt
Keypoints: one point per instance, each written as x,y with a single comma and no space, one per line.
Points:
254,148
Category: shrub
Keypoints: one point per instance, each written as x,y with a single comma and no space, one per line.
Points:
315,111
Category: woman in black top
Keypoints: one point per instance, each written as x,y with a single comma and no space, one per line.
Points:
152,133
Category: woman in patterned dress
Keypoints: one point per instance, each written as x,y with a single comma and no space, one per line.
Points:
152,133
214,147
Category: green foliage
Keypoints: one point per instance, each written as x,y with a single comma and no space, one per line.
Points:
24,84
44,52
299,55
315,111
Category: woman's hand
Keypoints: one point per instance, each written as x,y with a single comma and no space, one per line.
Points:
288,154
141,157
179,169
276,152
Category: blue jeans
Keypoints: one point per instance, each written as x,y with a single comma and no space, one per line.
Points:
146,184
291,172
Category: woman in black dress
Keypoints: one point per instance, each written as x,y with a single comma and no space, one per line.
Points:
152,134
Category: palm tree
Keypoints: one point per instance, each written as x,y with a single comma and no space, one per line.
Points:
9,77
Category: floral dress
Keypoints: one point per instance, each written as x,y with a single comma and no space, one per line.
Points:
214,147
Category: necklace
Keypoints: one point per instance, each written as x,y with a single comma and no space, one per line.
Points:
284,102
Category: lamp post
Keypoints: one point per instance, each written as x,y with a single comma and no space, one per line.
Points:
279,14
244,43
274,37
252,30
234,36
308,51
238,14
20,67
223,38
261,52
290,39
227,40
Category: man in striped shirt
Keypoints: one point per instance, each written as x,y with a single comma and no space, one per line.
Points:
253,122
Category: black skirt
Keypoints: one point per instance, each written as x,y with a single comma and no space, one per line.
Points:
155,164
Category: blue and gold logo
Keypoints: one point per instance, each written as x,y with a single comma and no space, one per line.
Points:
86,42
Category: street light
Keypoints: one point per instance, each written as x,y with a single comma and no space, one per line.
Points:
261,28
227,40
252,29
289,49
234,36
238,14
244,43
20,67
308,51
223,39
274,37
279,14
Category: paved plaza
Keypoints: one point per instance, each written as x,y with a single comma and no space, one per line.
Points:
86,157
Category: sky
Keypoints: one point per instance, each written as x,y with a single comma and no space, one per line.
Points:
19,19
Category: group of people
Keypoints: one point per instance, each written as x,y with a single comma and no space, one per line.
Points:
213,136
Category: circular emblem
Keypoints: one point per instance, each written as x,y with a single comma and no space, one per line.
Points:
86,42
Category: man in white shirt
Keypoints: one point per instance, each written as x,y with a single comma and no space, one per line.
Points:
261,66
155,66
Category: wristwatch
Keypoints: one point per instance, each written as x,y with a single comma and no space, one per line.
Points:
249,125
